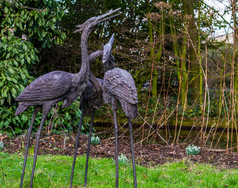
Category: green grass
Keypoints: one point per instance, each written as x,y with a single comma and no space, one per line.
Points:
54,171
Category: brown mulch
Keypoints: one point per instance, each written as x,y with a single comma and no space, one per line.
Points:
146,154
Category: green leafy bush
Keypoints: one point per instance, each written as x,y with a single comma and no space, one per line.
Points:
25,31
15,58
59,120
38,25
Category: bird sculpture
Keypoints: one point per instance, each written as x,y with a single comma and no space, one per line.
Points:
56,86
91,99
119,86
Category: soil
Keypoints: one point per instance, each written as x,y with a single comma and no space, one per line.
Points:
145,154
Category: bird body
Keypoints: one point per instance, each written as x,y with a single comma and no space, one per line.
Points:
119,84
55,86
92,96
52,85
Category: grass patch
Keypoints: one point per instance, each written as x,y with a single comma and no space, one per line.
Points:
54,171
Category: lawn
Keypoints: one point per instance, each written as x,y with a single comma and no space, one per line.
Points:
54,171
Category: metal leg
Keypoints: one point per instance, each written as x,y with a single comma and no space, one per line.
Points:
36,147
132,153
116,143
28,143
88,149
76,148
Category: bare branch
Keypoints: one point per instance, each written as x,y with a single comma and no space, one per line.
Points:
25,7
217,12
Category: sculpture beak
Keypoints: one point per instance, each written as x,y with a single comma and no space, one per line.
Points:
97,20
100,18
78,30
111,40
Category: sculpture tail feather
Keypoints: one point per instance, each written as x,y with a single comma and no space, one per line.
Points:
129,109
21,108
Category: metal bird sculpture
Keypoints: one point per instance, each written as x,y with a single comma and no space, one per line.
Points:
119,86
56,86
91,99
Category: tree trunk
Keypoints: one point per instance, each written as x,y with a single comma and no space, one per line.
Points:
180,51
234,65
192,37
152,56
235,48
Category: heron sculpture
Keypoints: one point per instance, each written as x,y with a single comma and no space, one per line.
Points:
91,99
57,86
119,86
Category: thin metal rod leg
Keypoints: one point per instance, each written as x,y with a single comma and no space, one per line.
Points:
132,153
88,149
116,143
76,148
28,143
36,148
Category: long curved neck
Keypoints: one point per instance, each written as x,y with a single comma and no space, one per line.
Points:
110,64
94,81
84,50
84,70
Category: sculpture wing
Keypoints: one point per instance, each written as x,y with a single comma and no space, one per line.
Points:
49,86
90,93
92,98
120,83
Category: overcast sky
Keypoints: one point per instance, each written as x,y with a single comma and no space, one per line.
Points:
220,7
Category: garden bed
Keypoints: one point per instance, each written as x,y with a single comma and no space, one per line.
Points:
145,154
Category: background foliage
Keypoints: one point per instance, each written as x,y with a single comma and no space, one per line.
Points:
181,71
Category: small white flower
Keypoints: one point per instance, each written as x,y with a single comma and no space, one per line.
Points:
95,140
192,150
1,145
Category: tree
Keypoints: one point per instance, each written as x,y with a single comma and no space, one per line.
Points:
193,57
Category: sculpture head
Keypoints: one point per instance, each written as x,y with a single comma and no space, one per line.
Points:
94,21
107,50
107,58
